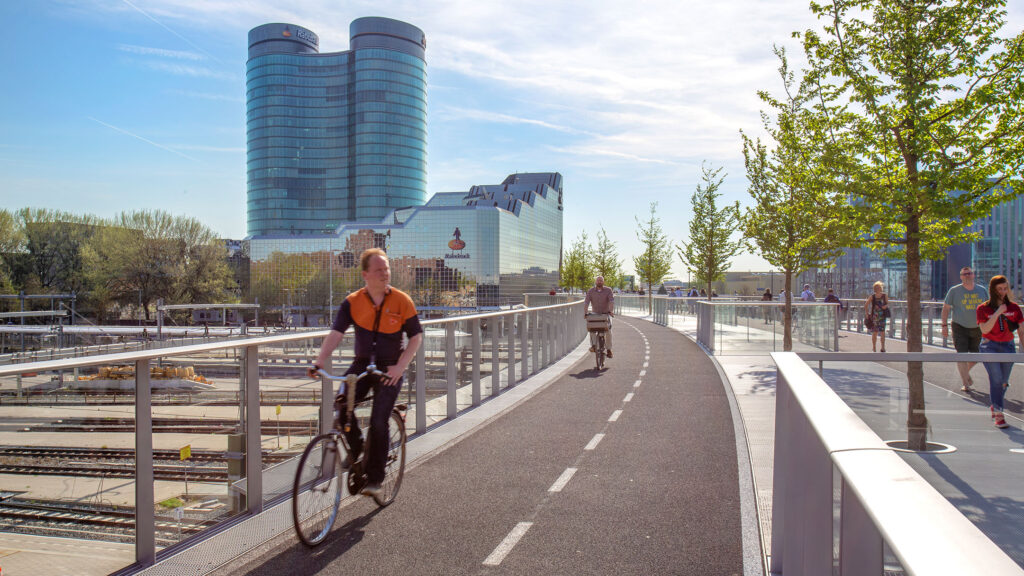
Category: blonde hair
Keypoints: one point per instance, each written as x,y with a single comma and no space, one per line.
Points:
364,258
877,285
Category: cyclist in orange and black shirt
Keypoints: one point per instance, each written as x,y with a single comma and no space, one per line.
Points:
379,315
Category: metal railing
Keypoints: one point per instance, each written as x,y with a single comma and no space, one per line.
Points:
461,361
881,498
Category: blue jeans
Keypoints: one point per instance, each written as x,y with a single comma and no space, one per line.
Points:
998,372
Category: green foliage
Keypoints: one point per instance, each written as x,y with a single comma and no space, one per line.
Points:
606,260
655,261
707,253
796,219
925,101
577,266
172,503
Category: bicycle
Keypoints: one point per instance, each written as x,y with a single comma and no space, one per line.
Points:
317,491
598,325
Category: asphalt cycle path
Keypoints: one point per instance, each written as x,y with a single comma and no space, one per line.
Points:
632,470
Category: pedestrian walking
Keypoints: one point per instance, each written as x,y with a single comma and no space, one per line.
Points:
876,312
963,301
767,310
999,319
807,295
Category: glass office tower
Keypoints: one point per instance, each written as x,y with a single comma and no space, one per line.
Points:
334,137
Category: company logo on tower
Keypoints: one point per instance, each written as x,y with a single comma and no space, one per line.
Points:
286,33
457,245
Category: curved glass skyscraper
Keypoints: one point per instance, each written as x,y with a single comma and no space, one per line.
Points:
337,137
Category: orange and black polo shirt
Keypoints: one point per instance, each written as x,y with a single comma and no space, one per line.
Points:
378,329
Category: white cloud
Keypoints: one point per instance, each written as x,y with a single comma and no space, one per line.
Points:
164,53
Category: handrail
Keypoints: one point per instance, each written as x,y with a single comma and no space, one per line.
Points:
521,342
125,357
882,498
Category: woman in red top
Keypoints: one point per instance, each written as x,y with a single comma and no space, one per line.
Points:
999,319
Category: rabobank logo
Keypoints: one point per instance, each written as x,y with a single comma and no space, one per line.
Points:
286,33
457,243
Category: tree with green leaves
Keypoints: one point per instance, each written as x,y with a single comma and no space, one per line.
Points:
606,259
655,261
148,255
711,246
577,266
796,216
933,96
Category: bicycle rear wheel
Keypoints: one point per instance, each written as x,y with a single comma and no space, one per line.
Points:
394,466
599,351
316,494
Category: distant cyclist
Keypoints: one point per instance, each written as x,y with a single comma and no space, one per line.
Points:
380,315
602,300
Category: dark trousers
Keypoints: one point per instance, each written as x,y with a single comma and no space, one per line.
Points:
384,398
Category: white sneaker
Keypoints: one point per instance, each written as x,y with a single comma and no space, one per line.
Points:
371,489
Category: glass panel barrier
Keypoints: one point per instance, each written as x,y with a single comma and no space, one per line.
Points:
67,469
973,463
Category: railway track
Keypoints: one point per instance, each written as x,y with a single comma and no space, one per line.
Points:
62,453
104,522
170,425
110,470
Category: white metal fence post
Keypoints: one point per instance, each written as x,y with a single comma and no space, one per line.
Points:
475,328
253,432
145,517
450,374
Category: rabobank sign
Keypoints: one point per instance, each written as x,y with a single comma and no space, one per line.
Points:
307,36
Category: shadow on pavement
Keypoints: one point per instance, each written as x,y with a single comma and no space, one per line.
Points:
300,559
996,516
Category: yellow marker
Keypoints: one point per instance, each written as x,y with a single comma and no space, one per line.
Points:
278,409
186,452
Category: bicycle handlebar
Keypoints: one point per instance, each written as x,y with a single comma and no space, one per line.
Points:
350,379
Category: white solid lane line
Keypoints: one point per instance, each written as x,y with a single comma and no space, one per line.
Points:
615,416
507,544
562,480
594,442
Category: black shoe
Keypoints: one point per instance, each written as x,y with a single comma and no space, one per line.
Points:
608,352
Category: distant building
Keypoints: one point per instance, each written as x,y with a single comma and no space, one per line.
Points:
334,137
484,247
999,251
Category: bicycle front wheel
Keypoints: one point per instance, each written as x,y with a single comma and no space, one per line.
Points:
394,466
316,494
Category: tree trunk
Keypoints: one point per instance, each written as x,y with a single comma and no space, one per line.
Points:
917,422
787,314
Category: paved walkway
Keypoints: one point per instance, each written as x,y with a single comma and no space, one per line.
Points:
633,470
981,478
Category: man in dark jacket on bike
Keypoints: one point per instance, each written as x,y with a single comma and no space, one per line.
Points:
602,300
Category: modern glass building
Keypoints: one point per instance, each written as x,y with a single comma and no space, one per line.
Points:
334,137
999,251
485,247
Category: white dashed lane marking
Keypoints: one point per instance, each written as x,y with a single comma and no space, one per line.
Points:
562,480
643,373
615,416
594,442
507,544
628,397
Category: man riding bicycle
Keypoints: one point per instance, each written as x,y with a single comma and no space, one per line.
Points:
602,300
380,315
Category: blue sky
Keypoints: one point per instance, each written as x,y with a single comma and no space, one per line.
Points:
118,105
